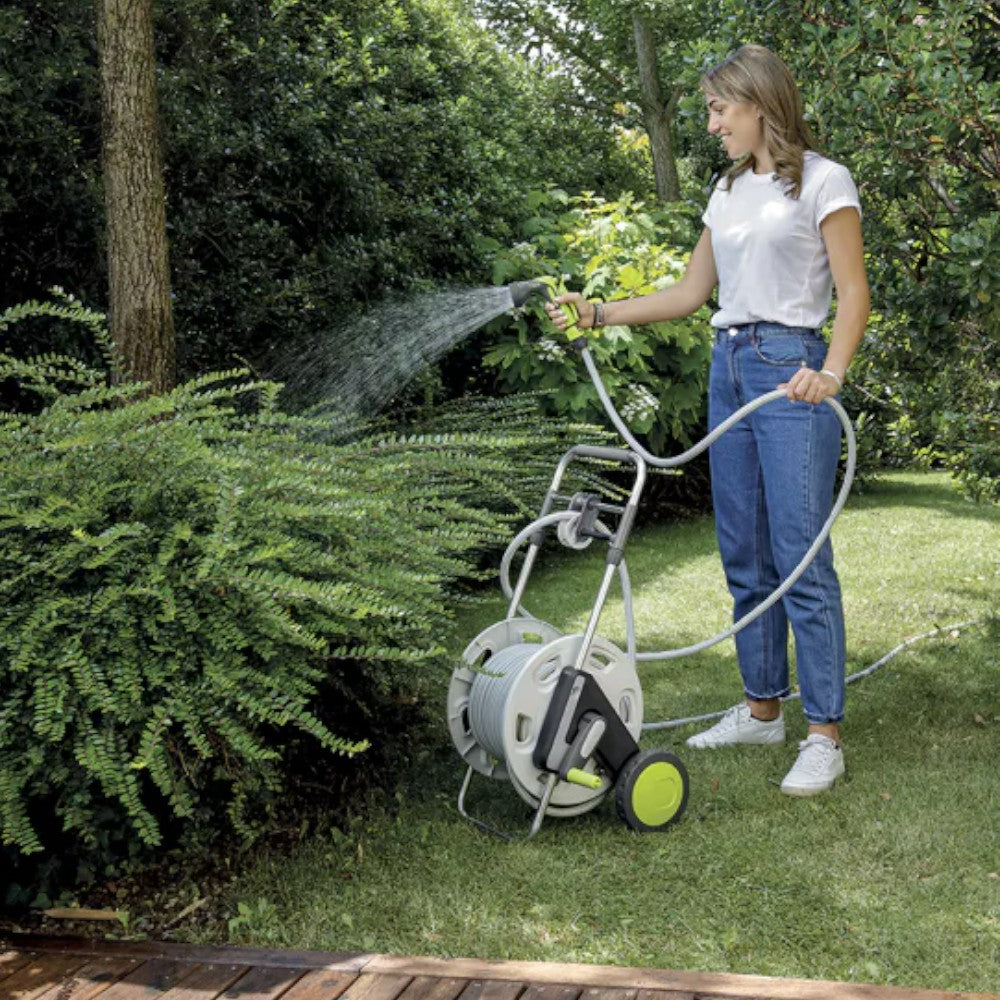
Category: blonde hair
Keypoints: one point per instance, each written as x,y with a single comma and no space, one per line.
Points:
756,75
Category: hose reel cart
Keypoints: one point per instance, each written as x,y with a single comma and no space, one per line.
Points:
559,716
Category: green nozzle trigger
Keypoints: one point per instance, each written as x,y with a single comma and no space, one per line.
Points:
557,287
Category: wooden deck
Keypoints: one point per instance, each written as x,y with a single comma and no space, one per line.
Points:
45,968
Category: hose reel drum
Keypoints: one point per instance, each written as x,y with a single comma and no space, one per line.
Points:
497,705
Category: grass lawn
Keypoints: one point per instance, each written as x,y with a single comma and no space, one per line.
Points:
894,877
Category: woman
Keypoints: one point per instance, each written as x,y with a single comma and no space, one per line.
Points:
782,226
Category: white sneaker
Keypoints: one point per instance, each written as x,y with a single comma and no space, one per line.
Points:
819,765
739,726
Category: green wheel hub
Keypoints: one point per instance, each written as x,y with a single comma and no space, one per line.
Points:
652,790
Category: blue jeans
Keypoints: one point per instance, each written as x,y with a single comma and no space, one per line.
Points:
773,478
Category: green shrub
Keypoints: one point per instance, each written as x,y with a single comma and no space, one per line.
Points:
196,586
949,418
656,374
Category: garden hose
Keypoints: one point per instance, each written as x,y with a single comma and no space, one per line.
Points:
671,463
553,287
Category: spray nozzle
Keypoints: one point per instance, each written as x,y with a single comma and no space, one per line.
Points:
521,291
550,287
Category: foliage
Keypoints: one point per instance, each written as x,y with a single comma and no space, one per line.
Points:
317,153
50,193
949,419
320,153
199,590
656,374
887,434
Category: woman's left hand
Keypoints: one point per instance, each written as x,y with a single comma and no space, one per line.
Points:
810,386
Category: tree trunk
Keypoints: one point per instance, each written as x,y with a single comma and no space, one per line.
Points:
141,319
657,114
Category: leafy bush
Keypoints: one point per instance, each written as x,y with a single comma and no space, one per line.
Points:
950,418
656,374
195,586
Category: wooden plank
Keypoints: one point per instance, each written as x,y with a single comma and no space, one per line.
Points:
386,977
37,976
262,983
664,995
150,980
285,958
92,979
11,961
609,993
711,985
433,988
377,986
491,989
205,981
320,984
545,991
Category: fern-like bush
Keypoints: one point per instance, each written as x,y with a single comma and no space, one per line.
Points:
192,585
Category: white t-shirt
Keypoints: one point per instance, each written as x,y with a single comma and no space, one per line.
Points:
769,254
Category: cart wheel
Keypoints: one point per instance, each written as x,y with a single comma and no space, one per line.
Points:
651,791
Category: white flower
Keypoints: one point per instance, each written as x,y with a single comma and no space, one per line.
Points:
550,350
640,404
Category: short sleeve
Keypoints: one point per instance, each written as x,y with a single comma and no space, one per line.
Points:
709,212
837,191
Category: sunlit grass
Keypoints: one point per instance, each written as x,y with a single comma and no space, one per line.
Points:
894,877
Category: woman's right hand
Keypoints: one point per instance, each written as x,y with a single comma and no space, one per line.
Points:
560,320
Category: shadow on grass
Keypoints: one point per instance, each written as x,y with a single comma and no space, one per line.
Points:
937,494
947,683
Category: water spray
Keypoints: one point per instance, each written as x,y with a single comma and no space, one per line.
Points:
559,716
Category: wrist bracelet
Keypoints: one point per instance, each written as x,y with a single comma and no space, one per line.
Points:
598,315
834,376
